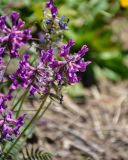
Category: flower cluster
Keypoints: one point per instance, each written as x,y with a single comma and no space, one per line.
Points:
54,67
49,70
23,75
13,37
72,63
8,125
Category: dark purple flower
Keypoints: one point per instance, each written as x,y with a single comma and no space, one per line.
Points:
13,37
52,8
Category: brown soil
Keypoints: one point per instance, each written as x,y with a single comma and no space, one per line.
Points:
95,130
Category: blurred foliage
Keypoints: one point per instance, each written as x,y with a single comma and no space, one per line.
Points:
99,24
76,92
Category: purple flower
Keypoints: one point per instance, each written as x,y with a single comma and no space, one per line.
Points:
2,51
62,71
47,56
23,76
13,37
3,99
72,63
65,49
52,8
36,79
9,126
49,70
20,120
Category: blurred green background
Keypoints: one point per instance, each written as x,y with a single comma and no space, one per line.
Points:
101,24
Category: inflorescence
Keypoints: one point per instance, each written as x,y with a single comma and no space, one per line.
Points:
54,67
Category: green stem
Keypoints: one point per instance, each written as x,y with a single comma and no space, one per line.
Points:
45,109
7,66
21,97
22,101
18,111
28,125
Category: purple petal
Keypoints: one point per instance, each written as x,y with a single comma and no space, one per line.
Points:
14,17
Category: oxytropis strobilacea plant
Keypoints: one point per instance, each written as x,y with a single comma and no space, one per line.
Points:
52,68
